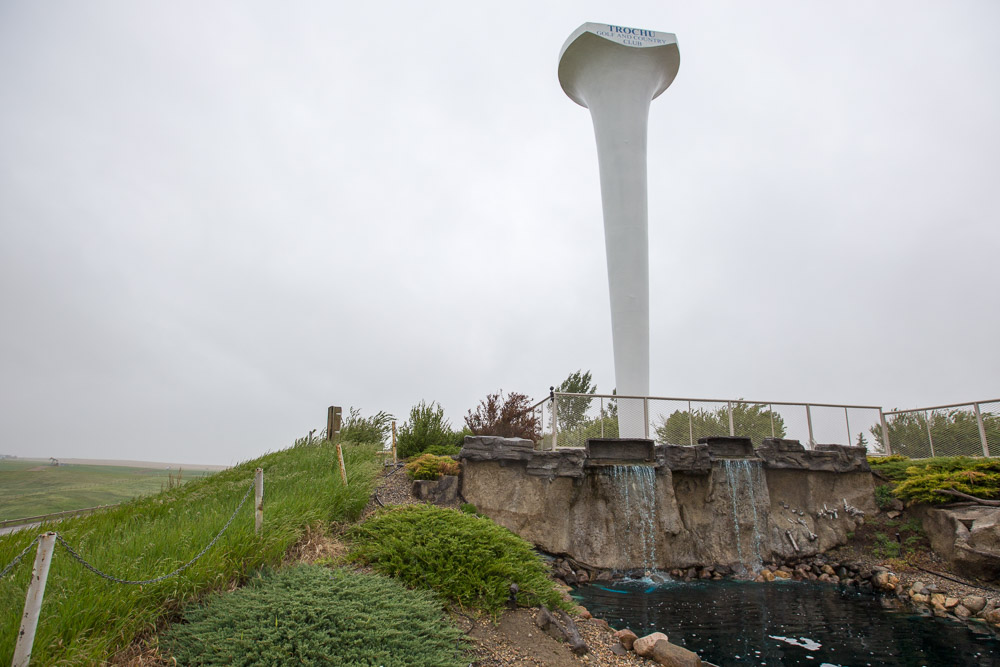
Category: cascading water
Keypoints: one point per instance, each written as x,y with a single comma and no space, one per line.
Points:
636,488
746,485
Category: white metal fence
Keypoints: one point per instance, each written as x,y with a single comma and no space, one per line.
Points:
569,420
960,429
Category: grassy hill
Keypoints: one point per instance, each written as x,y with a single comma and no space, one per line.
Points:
85,618
30,488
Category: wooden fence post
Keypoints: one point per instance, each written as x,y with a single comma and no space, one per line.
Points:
394,441
33,601
343,468
258,482
333,415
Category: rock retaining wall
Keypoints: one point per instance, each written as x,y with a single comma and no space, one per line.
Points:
805,501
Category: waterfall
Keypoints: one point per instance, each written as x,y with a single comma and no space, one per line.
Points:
746,485
636,489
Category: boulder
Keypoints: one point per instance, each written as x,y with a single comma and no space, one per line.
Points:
495,448
626,637
974,603
724,446
442,491
968,538
643,646
563,463
671,655
617,450
694,459
827,458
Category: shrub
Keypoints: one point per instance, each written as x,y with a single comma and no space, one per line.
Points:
885,547
429,466
443,450
883,496
899,468
373,430
469,508
310,615
922,487
510,417
468,560
425,429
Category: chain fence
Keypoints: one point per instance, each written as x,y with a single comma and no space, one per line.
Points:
967,429
43,558
183,567
80,559
17,559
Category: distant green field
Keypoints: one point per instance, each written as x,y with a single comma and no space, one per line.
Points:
30,488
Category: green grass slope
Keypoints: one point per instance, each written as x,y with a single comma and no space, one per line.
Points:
30,488
86,619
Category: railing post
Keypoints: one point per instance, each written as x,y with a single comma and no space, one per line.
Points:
885,433
645,415
982,429
33,601
848,421
729,407
770,411
690,423
258,495
930,438
809,423
555,418
602,416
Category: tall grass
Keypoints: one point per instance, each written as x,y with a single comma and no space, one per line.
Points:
86,619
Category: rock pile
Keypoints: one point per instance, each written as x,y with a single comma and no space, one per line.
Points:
573,573
656,647
939,602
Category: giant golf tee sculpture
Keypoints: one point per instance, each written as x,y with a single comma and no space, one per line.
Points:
636,504
616,72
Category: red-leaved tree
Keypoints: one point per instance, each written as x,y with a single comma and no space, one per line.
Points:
510,417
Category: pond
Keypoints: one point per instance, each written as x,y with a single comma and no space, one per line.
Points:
787,623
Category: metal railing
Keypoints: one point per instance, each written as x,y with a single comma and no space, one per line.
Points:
959,429
569,420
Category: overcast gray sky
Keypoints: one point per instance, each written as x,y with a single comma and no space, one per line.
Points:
220,218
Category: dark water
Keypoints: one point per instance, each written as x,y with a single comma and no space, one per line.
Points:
787,623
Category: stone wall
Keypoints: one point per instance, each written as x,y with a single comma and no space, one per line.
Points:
800,502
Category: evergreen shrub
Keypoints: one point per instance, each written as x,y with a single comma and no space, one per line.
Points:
468,560
427,430
429,466
310,615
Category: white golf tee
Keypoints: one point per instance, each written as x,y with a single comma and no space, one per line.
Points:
616,72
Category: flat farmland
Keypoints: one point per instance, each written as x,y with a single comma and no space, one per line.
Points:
32,487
